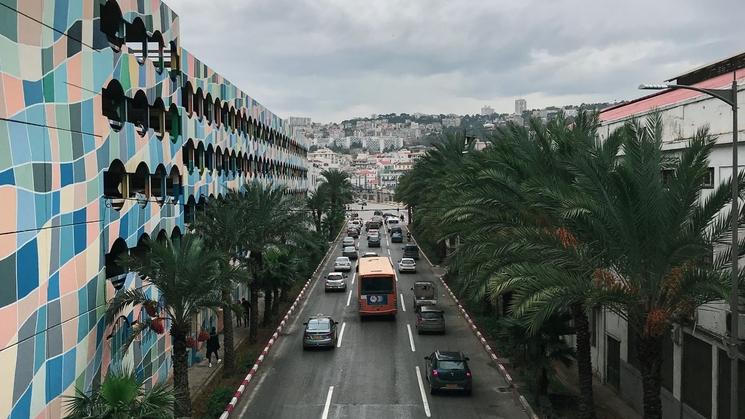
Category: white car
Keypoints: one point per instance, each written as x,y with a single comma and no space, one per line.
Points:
407,265
342,264
335,281
348,241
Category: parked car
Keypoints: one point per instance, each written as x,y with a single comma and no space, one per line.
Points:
350,252
335,281
448,370
370,254
342,264
407,265
411,251
397,237
373,241
320,331
425,293
430,319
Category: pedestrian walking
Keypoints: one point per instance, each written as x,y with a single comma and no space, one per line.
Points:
246,310
213,344
239,315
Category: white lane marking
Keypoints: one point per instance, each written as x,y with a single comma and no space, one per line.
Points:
421,390
403,305
341,334
353,276
328,403
252,394
349,299
411,337
389,252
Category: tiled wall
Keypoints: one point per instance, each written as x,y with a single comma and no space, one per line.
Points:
57,141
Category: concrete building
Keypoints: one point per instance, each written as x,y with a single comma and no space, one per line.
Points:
487,110
695,371
110,133
453,121
521,105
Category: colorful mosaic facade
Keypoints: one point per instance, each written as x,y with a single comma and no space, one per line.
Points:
109,132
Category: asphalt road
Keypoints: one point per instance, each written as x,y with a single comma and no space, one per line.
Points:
373,371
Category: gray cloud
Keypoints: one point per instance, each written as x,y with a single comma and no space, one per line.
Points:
335,59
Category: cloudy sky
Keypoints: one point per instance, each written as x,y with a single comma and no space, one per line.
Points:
337,59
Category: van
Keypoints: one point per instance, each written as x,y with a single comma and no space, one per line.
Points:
411,251
391,222
425,293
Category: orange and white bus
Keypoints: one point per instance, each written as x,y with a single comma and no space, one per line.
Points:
376,287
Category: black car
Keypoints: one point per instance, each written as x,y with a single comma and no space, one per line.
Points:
448,370
397,237
411,251
373,241
378,212
394,230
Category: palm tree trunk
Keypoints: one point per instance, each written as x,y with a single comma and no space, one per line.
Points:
650,356
228,338
266,318
275,307
182,404
584,362
253,323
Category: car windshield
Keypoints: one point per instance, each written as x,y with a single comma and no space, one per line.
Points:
319,325
377,285
451,365
410,248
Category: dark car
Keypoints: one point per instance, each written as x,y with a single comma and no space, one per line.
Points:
448,370
373,241
320,331
411,251
394,230
378,212
353,232
350,252
397,237
430,319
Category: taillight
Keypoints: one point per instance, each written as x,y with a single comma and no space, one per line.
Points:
468,374
435,373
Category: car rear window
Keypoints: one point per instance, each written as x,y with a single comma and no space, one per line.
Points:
451,365
410,247
349,249
315,325
431,315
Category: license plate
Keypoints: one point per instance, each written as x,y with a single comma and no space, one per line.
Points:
452,386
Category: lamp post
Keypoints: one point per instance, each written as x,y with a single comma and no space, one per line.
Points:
729,96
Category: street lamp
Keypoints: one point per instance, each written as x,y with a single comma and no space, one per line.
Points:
729,96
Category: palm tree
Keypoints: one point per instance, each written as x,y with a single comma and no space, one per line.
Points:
272,218
658,236
184,273
317,203
221,225
121,395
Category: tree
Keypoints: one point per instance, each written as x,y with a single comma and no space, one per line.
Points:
659,237
337,189
183,273
316,202
121,395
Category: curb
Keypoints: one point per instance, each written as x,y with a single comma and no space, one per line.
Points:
502,370
275,336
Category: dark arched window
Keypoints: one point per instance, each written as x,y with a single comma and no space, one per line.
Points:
137,112
112,24
113,104
136,37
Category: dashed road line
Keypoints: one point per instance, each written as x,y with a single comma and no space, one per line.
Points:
325,414
349,299
424,395
403,305
411,338
341,334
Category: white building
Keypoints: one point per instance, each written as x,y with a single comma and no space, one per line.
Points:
451,122
521,105
695,370
487,110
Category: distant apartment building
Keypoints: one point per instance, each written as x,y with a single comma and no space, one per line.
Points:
521,105
696,364
487,110
451,122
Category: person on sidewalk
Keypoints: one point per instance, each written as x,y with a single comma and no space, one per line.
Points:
213,344
246,310
239,315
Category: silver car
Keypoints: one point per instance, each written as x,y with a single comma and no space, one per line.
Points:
350,252
336,281
407,265
342,264
348,241
320,331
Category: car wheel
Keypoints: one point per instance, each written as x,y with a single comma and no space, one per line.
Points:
467,392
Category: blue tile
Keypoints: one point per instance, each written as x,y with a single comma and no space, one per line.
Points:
53,287
66,174
79,219
7,177
54,378
32,93
55,202
69,368
60,18
22,409
40,351
27,268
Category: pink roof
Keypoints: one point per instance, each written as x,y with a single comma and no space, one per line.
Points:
665,98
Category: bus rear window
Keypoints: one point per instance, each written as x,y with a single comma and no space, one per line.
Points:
377,285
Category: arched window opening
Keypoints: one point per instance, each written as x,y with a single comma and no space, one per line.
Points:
216,112
209,109
173,184
199,103
226,162
115,273
190,210
210,158
233,163
201,205
218,160
199,157
139,185
176,235
158,184
239,164
138,111
112,24
113,104
172,59
136,37
224,116
155,46
174,123
187,99
140,250
162,237
157,114
232,119
115,184
187,155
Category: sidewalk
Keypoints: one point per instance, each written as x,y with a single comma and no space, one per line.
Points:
201,374
608,404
